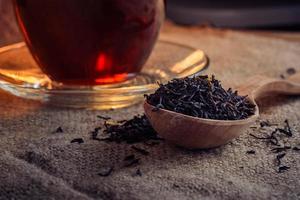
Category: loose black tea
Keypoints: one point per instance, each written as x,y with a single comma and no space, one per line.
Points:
94,134
59,130
105,171
276,138
291,71
202,97
282,76
296,148
282,169
284,131
279,157
271,138
265,123
138,172
280,149
77,140
138,129
287,128
251,152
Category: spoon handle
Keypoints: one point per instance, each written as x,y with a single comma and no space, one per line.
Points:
260,86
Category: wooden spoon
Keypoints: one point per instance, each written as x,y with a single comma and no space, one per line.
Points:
194,133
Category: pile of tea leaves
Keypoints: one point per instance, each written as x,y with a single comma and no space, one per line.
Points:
132,131
138,129
202,97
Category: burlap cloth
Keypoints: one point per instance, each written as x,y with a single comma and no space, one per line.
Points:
36,163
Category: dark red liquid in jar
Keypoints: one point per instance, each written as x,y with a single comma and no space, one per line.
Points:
90,41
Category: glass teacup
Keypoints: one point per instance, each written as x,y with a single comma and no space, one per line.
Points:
93,54
90,42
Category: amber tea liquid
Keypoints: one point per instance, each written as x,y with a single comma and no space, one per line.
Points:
90,42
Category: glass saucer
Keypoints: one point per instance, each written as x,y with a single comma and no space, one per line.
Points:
21,76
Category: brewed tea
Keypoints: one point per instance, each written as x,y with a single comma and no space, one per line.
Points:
90,41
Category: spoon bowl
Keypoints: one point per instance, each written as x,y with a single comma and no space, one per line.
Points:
192,132
198,133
